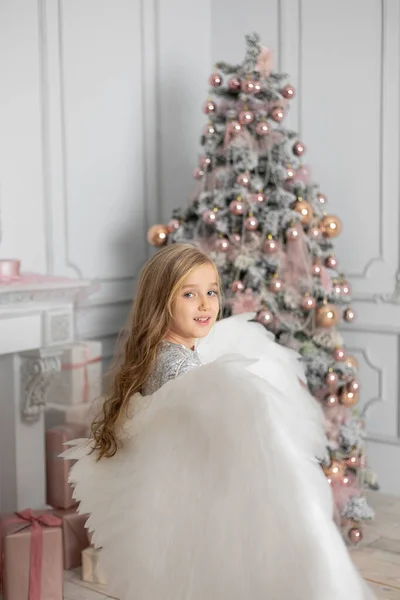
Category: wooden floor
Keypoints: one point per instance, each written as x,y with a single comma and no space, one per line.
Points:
377,557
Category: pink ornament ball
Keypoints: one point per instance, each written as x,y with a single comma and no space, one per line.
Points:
331,262
237,286
290,173
277,114
331,400
339,354
331,379
355,535
292,234
236,126
354,386
243,179
209,129
173,225
299,149
251,224
246,117
271,246
256,198
349,315
265,317
237,207
315,233
236,239
308,302
276,285
222,245
209,217
337,288
215,80
209,107
262,128
248,86
316,270
234,84
346,289
288,92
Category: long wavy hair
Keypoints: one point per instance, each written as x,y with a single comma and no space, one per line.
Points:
149,323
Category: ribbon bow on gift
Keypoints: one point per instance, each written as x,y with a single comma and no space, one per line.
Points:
27,518
264,62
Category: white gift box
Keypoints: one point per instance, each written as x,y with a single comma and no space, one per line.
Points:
80,379
91,566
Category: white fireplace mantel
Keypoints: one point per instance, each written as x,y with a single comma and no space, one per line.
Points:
36,321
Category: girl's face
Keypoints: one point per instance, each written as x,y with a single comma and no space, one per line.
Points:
196,306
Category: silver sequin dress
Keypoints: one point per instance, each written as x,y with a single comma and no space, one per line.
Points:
172,361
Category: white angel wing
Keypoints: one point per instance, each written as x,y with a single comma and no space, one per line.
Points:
211,498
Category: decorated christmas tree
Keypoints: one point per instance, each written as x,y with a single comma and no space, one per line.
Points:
269,230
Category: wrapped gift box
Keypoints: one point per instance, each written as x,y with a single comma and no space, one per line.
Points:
91,566
81,375
31,534
75,536
58,490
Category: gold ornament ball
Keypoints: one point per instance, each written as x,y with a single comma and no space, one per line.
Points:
305,210
326,315
157,235
348,398
336,469
331,226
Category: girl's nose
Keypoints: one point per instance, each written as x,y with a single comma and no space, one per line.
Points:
204,303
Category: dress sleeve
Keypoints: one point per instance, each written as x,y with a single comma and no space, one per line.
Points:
177,366
186,365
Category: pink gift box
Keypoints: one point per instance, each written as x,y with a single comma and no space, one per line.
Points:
58,490
31,556
75,536
80,379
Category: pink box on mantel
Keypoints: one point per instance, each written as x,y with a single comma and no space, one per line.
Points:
9,269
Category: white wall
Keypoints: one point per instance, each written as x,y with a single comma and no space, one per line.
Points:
100,118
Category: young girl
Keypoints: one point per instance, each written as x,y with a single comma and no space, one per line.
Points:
201,481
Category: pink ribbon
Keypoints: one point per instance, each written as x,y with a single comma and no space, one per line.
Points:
83,365
296,262
238,138
264,62
28,519
245,301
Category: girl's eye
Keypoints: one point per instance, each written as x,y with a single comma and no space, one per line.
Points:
213,293
188,295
